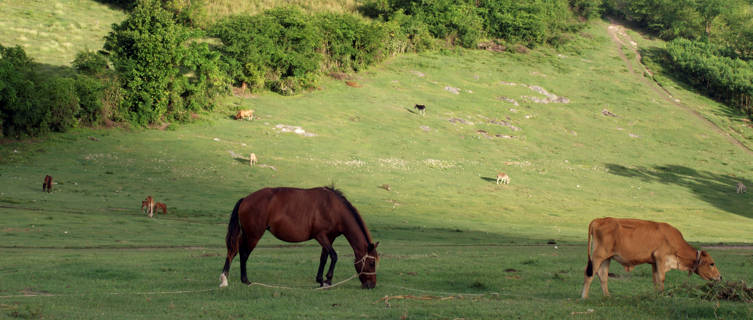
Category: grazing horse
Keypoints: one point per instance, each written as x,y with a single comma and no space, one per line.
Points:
162,206
148,206
421,108
296,215
252,159
503,178
741,187
47,185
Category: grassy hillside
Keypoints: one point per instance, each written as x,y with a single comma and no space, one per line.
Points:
52,32
446,228
217,9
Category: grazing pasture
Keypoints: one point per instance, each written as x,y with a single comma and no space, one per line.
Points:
453,243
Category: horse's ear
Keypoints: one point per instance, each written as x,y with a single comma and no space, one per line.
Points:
370,247
376,245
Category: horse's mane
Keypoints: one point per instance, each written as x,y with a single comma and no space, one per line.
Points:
353,211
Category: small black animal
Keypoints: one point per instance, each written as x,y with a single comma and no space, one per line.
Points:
421,109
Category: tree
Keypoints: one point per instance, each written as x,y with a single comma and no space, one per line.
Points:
146,51
709,10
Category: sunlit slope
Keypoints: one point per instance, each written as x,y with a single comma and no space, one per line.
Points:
569,162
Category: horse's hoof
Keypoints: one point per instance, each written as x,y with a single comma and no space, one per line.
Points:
325,285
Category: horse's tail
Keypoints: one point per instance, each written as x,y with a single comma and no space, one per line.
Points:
233,231
589,267
232,240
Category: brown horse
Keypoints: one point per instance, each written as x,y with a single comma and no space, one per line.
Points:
47,185
296,215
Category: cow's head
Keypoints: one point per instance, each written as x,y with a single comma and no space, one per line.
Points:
705,267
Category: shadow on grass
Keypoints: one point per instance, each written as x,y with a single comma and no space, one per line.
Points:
489,179
718,190
241,160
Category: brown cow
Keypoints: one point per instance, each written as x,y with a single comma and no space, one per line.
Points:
632,242
243,114
160,205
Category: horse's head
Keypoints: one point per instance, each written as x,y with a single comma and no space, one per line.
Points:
366,266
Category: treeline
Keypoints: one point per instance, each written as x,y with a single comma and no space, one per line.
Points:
725,22
466,22
716,70
160,64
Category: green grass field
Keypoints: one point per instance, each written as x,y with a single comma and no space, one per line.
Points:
52,32
449,235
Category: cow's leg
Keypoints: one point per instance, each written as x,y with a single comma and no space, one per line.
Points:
604,276
593,265
659,271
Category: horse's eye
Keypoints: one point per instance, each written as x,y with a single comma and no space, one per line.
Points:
712,264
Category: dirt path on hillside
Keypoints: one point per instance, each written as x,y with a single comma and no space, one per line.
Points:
623,41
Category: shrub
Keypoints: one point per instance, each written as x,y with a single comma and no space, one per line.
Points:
350,43
19,96
90,92
278,49
58,95
146,50
90,63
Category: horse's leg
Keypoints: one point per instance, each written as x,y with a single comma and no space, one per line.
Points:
322,262
247,245
326,243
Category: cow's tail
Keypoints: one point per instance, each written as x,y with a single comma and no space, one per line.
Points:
232,240
589,266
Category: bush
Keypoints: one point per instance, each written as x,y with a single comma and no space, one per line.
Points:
146,50
278,49
350,43
90,63
58,95
30,104
90,92
19,96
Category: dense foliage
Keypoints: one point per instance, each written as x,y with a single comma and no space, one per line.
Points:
286,49
715,70
277,49
728,22
149,53
530,22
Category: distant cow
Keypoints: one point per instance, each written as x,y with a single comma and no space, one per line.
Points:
632,242
160,205
503,178
243,114
252,159
741,188
421,108
47,184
